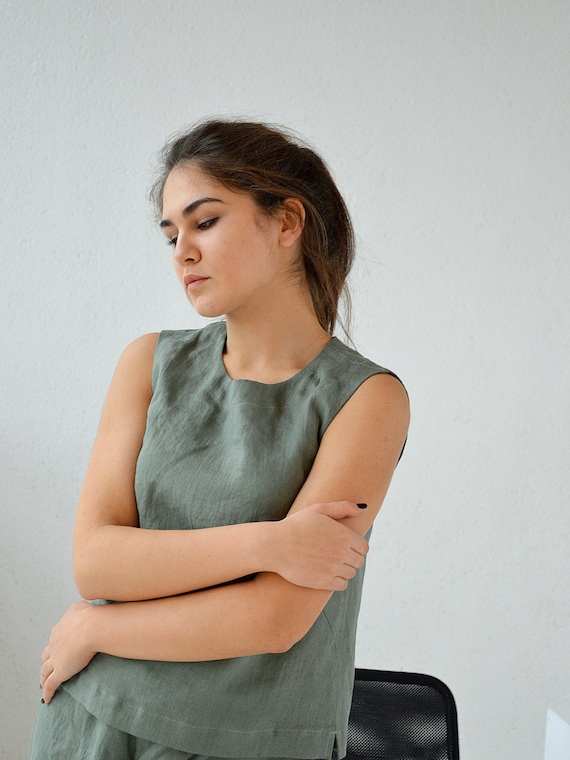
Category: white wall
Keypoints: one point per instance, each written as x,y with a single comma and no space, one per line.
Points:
447,125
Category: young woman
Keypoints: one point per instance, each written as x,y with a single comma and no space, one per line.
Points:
235,474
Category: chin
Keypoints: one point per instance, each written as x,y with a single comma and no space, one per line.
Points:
207,311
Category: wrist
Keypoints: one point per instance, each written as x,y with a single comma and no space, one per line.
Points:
90,624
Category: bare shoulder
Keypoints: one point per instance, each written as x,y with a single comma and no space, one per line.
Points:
379,406
130,390
383,389
135,363
141,350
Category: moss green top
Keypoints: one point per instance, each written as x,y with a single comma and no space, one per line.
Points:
219,451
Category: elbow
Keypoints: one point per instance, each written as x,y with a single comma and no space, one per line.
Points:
84,584
85,592
283,637
91,587
87,581
282,644
83,570
279,640
282,624
94,572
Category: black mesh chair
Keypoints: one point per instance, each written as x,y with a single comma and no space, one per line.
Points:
401,716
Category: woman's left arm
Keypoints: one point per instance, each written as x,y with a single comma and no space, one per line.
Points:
355,463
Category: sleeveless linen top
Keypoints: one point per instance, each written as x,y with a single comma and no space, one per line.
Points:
218,451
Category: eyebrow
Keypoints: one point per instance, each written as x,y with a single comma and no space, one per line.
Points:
190,208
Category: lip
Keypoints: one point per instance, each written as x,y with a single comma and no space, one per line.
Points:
193,280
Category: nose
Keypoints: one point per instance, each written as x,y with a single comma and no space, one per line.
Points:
186,252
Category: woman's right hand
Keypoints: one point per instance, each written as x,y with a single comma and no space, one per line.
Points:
315,550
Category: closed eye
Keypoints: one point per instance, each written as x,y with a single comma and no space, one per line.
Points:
172,242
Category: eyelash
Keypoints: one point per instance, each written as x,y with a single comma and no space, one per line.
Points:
202,226
207,224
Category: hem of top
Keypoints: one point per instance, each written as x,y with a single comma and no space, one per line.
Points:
300,743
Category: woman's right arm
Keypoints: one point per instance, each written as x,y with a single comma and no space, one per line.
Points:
115,559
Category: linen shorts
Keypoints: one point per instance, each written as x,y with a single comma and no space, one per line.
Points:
65,730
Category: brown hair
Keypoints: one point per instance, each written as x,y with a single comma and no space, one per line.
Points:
271,165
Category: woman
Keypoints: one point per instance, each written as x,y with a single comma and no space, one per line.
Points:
234,476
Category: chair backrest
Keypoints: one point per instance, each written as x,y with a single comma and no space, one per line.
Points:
401,716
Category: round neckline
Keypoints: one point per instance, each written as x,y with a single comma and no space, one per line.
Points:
239,380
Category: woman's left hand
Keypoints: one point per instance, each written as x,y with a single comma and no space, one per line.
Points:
68,650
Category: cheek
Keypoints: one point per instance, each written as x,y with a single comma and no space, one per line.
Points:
178,270
233,253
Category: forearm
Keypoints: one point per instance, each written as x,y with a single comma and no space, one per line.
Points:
267,614
310,547
123,563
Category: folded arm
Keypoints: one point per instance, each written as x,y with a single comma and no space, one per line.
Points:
355,462
115,559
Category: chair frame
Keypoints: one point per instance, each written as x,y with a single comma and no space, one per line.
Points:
389,676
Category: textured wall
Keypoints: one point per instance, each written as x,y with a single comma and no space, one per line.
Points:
446,123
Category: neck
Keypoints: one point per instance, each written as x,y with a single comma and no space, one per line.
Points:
274,344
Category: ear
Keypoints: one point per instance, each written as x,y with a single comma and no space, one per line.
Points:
292,218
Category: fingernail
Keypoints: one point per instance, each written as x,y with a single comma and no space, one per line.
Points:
362,506
43,701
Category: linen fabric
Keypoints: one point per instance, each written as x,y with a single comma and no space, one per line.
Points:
218,451
64,730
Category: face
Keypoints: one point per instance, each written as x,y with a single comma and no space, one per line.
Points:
228,255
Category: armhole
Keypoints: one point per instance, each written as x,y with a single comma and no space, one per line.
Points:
350,391
162,336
